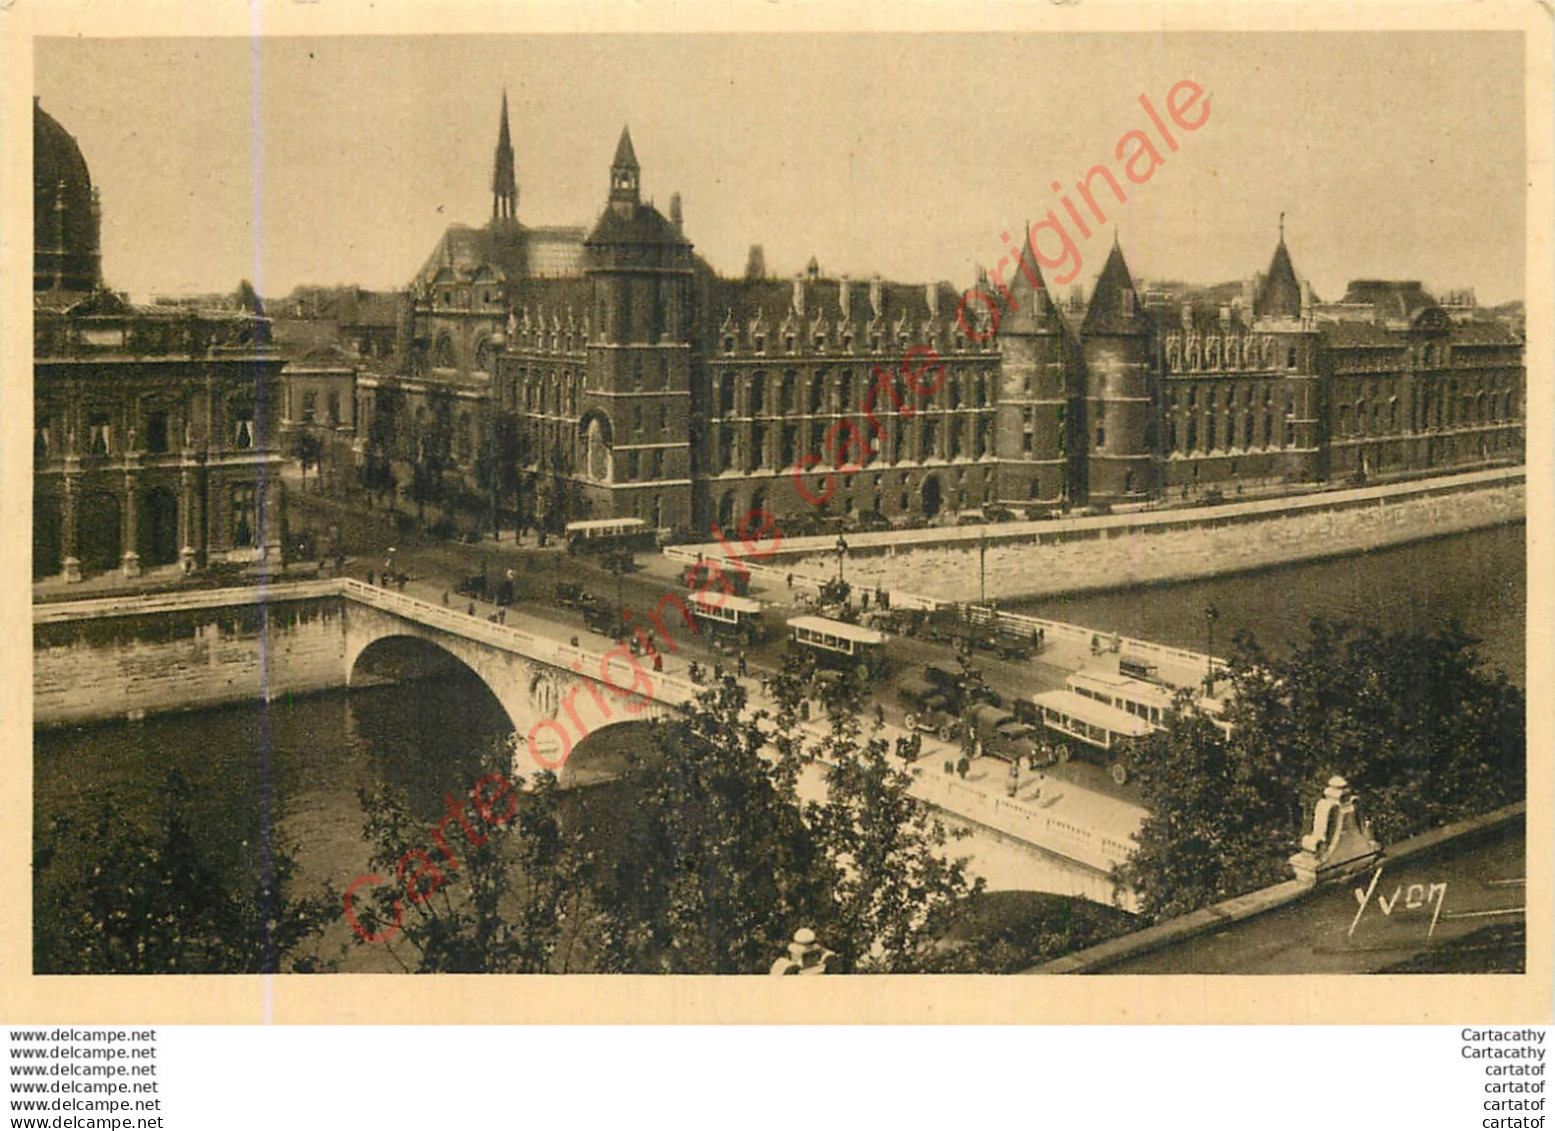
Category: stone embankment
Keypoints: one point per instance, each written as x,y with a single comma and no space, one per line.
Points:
1114,551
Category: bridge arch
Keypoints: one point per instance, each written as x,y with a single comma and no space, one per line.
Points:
406,657
554,707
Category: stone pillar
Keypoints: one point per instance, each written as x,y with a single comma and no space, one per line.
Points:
129,537
67,519
1340,844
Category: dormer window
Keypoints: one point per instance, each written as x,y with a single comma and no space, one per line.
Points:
729,344
874,343
847,342
448,298
761,343
820,342
788,343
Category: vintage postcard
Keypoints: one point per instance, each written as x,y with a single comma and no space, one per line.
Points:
940,499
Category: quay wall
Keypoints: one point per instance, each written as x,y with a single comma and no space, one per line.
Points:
129,657
1110,552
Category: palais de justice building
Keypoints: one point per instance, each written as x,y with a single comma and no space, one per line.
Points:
640,382
153,440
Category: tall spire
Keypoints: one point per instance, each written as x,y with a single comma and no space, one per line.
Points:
624,173
504,183
1280,294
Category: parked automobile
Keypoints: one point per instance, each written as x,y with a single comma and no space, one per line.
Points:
998,733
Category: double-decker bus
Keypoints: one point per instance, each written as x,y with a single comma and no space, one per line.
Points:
604,535
838,644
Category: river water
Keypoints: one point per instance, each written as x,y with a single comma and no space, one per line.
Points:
1479,579
298,765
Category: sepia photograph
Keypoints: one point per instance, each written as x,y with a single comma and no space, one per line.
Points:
970,503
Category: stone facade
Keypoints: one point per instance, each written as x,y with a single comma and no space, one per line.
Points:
631,379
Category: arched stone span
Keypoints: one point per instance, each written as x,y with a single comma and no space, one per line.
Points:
553,706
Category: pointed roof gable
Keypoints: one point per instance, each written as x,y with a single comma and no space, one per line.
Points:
1033,308
626,156
1280,294
1115,307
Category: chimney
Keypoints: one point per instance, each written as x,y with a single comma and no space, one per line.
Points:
931,295
1306,299
1187,315
845,298
1225,317
1076,297
876,296
799,294
675,216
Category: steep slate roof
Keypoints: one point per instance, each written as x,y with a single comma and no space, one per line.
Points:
1390,298
643,224
1280,294
464,249
1106,313
1031,314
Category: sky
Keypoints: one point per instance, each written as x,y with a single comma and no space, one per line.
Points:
341,160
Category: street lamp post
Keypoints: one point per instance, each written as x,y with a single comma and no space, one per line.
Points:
982,572
1211,615
842,551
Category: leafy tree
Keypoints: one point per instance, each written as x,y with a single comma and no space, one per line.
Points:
152,901
1410,720
309,452
892,890
720,867
516,903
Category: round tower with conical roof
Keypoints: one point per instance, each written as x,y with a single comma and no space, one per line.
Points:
1122,394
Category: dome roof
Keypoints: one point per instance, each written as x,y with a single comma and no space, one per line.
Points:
65,218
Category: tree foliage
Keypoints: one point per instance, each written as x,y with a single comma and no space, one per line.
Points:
152,901
1412,721
512,902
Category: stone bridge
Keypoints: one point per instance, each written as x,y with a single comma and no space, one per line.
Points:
555,694
129,656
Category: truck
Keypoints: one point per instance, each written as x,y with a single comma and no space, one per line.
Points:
998,733
972,627
937,700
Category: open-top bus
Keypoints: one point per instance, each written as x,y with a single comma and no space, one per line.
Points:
838,644
605,535
1092,724
725,614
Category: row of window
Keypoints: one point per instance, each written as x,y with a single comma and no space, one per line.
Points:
102,438
823,393
928,436
844,342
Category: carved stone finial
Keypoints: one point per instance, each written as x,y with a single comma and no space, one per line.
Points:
805,956
1340,844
